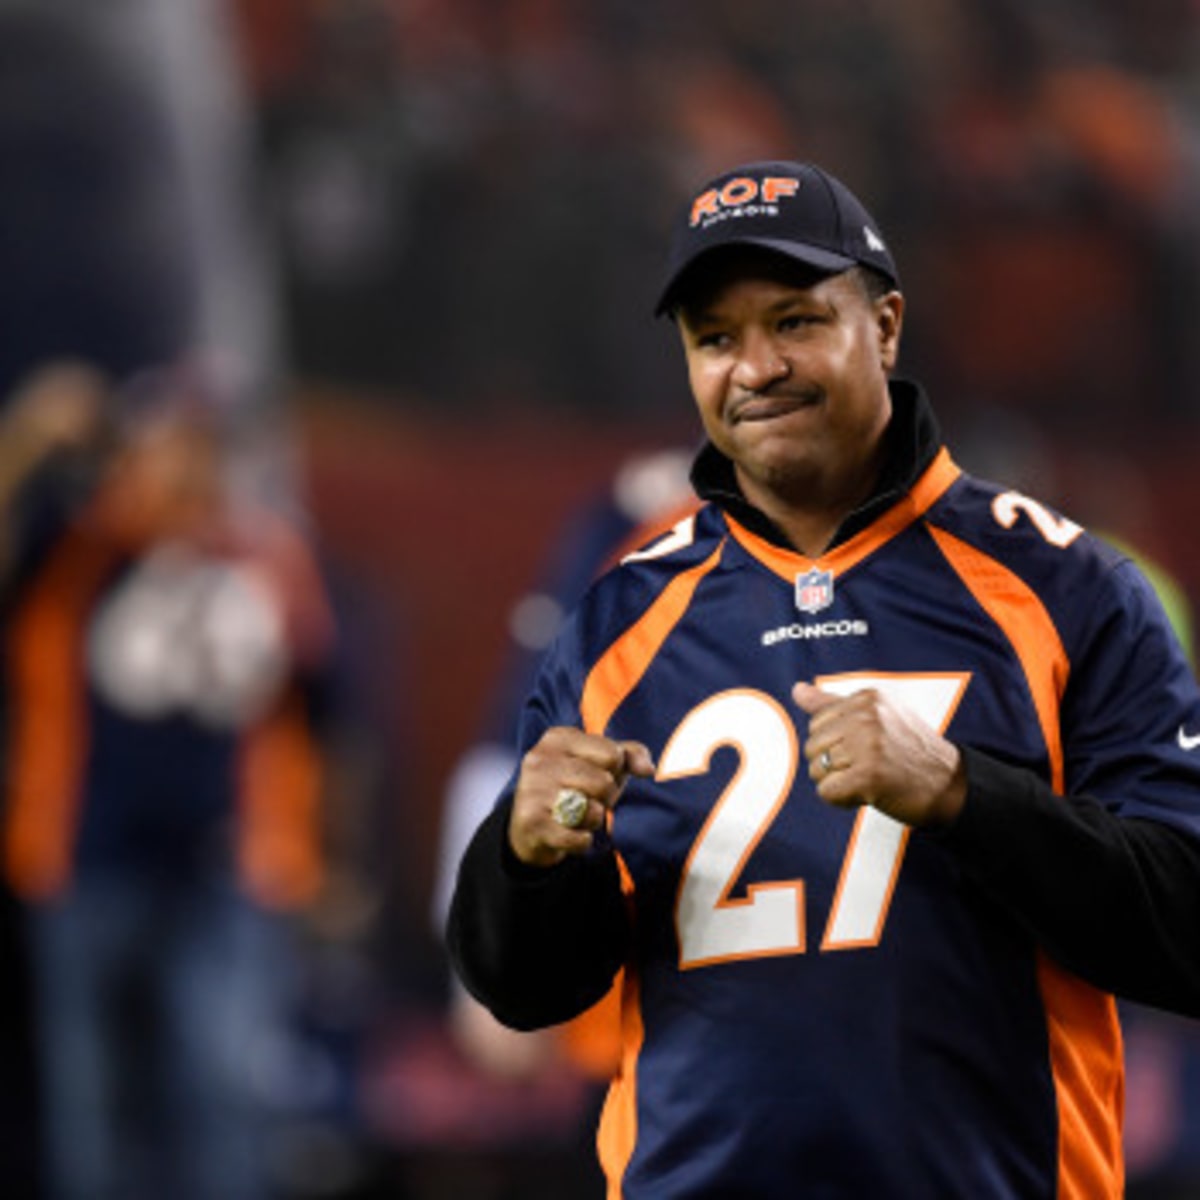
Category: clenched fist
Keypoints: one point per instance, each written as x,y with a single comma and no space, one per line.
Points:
567,758
864,749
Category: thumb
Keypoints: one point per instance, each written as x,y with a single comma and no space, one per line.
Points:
638,760
811,698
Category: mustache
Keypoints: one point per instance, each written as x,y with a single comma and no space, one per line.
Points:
780,392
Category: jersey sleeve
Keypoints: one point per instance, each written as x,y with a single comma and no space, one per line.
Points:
1115,900
537,946
1131,694
1107,877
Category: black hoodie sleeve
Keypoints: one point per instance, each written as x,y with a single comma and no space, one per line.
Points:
1115,900
536,946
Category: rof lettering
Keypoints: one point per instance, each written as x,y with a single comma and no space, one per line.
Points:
742,190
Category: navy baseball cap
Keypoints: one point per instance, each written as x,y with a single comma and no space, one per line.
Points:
795,209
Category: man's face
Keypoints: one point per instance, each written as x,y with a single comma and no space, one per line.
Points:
790,374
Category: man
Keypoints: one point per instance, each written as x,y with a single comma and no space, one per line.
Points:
878,781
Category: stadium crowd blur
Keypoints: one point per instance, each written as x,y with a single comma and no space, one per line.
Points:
429,232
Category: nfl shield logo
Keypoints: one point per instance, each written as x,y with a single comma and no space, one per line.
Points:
814,590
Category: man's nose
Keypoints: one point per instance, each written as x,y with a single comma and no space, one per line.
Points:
760,363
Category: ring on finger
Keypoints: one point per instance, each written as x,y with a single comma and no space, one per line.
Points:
570,808
825,762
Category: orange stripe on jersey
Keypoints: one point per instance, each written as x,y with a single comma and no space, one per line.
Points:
787,564
279,828
623,664
617,1135
48,727
610,681
1085,1051
1081,1021
1024,620
592,1040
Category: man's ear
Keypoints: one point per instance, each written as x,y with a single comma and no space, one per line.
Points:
889,315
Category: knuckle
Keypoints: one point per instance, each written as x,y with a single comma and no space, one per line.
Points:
555,738
537,757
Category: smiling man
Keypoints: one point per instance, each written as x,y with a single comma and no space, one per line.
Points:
871,782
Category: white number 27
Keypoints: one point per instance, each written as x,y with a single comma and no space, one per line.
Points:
713,926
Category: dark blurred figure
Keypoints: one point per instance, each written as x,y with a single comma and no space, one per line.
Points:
165,640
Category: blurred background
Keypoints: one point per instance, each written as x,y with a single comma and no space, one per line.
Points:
329,378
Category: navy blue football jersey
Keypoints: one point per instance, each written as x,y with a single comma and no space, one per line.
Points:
817,1002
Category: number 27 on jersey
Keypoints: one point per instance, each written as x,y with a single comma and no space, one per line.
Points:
713,926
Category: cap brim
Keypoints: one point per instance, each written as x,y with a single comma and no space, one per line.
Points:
826,261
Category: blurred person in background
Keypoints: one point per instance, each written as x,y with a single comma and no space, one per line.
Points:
165,640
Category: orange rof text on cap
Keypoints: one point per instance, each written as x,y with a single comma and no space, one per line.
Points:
742,190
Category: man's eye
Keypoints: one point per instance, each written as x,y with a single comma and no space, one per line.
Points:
713,341
794,321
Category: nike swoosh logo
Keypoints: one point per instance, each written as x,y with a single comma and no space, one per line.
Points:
1187,743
